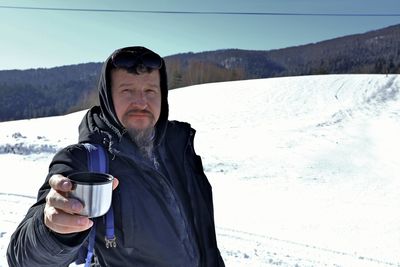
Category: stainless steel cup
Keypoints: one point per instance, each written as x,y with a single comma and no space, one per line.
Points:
94,190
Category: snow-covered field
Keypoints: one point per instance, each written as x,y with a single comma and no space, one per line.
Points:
305,170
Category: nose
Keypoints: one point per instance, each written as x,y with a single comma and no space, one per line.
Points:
139,100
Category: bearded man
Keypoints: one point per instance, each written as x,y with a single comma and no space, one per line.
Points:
162,201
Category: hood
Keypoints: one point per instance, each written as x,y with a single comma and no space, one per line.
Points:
93,129
108,114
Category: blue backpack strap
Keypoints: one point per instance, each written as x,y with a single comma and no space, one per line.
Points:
110,238
90,248
97,162
97,158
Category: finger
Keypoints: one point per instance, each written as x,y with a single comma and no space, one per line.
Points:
67,229
64,223
60,202
115,183
60,183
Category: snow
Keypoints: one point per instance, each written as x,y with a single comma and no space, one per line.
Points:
304,170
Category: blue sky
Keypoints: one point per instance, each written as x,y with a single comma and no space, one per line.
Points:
40,38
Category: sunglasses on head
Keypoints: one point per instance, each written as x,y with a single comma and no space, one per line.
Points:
131,59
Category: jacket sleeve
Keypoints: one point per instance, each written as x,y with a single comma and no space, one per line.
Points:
33,244
209,247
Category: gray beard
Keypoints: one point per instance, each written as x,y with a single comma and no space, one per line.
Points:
144,140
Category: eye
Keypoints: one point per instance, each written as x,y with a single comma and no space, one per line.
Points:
151,91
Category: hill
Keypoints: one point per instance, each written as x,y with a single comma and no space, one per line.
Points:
304,170
372,52
56,91
46,92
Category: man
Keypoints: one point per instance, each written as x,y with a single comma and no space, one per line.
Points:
162,201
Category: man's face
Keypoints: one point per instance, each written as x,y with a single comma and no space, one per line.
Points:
136,98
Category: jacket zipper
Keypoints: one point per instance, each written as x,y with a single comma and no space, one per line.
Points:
171,194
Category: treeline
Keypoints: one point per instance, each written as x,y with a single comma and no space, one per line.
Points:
27,101
183,71
49,92
46,92
372,52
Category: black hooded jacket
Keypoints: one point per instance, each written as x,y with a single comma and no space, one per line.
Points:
163,217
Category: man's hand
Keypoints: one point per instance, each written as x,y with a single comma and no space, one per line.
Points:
60,211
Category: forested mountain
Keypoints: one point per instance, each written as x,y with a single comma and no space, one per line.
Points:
47,92
372,52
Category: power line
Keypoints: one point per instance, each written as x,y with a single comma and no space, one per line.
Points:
204,12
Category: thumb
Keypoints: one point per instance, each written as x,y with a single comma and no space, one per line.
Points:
115,183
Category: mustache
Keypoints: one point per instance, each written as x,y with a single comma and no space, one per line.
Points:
138,111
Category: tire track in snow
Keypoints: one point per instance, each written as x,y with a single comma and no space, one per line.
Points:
236,246
14,207
269,251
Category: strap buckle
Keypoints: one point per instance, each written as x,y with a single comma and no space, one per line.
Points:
110,242
95,261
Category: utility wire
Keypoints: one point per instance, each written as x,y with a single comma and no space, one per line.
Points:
204,12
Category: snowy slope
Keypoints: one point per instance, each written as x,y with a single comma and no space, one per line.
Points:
305,170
